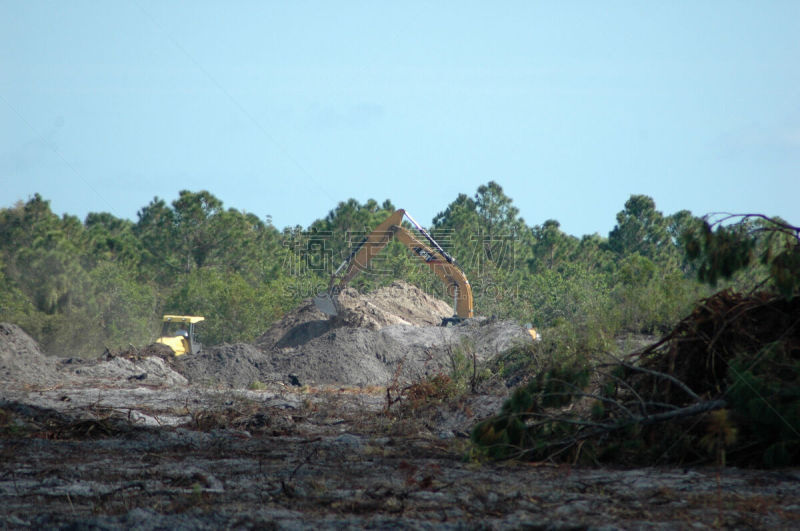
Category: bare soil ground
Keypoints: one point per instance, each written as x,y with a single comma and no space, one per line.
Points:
166,458
137,441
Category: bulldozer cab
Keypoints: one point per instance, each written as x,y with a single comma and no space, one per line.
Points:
178,333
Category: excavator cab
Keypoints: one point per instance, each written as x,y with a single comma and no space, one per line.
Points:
178,333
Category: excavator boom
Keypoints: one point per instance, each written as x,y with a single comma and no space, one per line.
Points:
443,265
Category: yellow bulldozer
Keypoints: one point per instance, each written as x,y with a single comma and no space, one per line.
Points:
178,333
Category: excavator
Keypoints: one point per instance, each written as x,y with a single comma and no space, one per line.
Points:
443,265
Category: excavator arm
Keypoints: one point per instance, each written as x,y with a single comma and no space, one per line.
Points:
454,279
369,247
443,265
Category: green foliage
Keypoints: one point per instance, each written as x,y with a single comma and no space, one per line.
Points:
113,240
782,256
521,429
765,399
123,308
196,232
15,307
257,385
25,223
721,251
649,298
484,232
466,372
81,287
641,229
233,309
551,249
573,309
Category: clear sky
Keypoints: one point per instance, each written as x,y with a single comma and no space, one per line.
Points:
285,108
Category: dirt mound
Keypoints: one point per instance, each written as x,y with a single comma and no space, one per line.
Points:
390,335
15,343
22,359
399,303
149,370
23,363
153,349
238,366
359,356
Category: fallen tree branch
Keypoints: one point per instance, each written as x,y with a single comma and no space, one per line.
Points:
658,374
605,429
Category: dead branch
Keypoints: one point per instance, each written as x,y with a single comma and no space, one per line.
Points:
626,385
658,374
781,226
599,430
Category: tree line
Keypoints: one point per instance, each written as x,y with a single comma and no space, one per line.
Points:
81,286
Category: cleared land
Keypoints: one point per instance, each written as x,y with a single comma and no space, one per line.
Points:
296,431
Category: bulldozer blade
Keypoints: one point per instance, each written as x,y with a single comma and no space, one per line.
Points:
324,303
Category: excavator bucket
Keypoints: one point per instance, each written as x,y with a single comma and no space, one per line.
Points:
324,303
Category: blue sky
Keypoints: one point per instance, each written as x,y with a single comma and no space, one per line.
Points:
286,108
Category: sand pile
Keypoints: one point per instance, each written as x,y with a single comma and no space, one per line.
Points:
390,334
235,366
21,359
22,363
359,356
399,303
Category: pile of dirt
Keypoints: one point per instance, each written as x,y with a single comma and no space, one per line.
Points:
228,366
359,356
149,370
400,303
23,363
22,359
391,335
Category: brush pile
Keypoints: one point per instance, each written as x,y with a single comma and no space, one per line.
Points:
723,386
